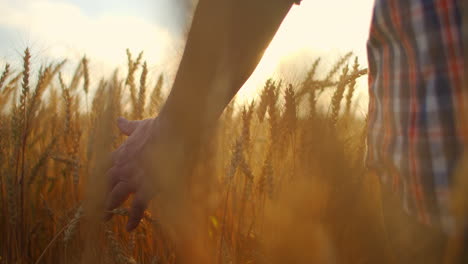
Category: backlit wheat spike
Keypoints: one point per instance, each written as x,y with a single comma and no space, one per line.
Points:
251,107
8,91
138,60
235,160
313,70
25,88
130,81
67,102
273,116
4,76
42,83
21,152
129,60
156,97
290,110
133,97
84,62
307,84
263,105
72,225
251,166
266,181
57,68
246,122
142,92
341,62
76,78
338,96
249,177
13,82
118,253
352,85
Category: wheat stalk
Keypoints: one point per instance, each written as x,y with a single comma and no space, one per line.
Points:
67,101
42,160
42,83
76,78
340,63
338,96
156,96
272,100
290,111
4,76
266,183
142,92
246,123
120,256
74,155
263,105
84,62
235,160
352,85
11,199
71,228
130,81
307,85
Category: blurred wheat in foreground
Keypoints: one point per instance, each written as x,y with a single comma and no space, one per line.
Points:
282,181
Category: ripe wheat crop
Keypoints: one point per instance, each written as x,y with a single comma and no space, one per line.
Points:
282,179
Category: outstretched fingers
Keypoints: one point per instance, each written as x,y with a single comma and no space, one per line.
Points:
126,177
128,126
117,196
137,211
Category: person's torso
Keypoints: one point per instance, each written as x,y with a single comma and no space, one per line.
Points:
417,104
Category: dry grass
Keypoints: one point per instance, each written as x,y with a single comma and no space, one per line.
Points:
280,182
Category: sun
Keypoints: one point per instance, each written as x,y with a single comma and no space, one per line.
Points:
315,28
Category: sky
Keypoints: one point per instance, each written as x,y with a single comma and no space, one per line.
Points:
104,29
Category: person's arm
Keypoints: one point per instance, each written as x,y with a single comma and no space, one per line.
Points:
226,42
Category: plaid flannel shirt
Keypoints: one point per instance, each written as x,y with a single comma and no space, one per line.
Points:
417,123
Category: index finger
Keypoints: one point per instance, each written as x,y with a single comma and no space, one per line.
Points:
117,196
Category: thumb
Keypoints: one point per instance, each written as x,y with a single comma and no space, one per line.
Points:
126,126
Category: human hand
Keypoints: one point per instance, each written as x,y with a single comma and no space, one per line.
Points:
130,173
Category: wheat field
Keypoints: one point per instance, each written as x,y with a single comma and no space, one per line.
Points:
282,179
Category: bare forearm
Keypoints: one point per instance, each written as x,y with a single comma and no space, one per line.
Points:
226,41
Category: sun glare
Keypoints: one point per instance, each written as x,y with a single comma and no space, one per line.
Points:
313,29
